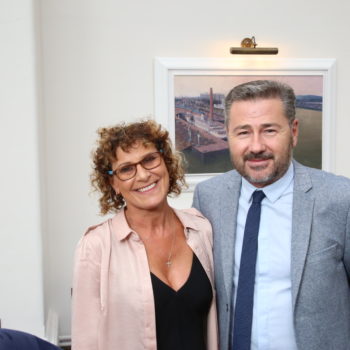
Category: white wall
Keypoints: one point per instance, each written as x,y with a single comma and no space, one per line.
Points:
97,69
21,291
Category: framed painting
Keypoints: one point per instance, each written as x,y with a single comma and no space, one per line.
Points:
189,102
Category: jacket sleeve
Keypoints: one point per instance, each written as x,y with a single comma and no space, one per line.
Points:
86,301
347,246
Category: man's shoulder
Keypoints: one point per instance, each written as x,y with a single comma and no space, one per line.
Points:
220,180
324,179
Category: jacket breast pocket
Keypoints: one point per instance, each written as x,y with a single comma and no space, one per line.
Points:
332,252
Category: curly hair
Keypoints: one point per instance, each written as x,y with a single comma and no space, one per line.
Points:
125,135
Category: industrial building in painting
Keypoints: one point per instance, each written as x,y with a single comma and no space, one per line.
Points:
200,124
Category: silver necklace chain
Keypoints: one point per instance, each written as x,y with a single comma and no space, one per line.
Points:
170,255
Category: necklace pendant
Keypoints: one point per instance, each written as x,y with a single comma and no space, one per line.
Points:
168,263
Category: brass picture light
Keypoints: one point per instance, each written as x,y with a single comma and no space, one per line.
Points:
249,47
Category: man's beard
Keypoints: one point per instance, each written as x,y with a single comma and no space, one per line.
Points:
277,172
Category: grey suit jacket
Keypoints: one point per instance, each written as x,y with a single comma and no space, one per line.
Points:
320,266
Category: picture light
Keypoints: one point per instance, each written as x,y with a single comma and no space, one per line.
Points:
249,47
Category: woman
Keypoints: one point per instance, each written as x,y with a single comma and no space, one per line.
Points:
144,278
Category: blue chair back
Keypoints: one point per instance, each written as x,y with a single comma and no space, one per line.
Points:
17,340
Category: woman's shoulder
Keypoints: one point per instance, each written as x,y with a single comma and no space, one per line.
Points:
192,217
94,240
193,212
96,232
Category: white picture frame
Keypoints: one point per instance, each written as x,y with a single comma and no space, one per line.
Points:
167,68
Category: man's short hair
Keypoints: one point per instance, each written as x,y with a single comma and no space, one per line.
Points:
262,89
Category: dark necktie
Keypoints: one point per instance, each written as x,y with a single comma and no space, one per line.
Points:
245,291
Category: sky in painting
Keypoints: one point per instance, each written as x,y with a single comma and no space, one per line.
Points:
193,85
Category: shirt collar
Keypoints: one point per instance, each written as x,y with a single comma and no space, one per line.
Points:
120,225
273,191
122,229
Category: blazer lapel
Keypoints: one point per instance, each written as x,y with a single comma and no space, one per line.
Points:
303,205
228,222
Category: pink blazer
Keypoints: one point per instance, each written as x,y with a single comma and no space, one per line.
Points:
113,305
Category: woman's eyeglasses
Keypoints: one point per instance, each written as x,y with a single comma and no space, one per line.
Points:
128,171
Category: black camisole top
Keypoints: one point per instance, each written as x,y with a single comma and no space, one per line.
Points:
181,316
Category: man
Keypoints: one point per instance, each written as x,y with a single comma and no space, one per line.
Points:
300,294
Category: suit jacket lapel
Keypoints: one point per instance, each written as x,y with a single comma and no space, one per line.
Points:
303,205
228,222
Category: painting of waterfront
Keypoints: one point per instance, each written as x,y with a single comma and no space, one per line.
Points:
200,126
